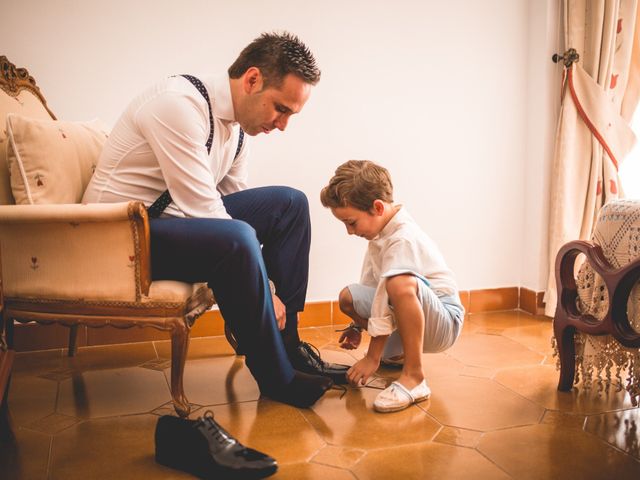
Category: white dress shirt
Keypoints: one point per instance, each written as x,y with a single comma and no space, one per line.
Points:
402,247
159,143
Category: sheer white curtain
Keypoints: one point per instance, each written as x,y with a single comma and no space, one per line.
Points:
600,94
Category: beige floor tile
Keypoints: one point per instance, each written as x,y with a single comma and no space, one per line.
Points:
480,372
553,452
498,321
109,448
52,424
458,437
351,422
35,363
436,365
110,356
199,348
320,336
427,461
26,457
492,351
495,412
271,427
620,429
540,385
31,399
311,471
339,457
104,393
564,420
479,404
535,337
218,380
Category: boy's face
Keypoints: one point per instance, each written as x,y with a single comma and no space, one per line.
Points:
358,222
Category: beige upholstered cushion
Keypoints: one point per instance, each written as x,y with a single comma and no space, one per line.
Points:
27,104
51,161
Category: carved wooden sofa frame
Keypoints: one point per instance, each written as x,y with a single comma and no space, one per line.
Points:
113,232
618,281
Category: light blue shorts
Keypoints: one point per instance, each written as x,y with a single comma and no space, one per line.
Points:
443,316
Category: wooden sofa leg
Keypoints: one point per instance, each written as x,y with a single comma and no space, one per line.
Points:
567,353
179,348
73,340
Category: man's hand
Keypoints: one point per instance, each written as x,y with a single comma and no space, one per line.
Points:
280,311
360,372
350,338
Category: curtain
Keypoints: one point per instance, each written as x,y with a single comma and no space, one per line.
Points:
600,94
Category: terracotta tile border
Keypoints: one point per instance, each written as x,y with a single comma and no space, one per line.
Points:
32,337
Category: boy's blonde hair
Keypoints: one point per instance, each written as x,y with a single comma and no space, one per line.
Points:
357,183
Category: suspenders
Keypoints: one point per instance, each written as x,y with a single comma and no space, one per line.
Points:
164,200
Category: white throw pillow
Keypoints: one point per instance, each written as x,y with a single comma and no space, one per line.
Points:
51,161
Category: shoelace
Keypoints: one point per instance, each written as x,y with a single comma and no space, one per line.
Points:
314,353
213,429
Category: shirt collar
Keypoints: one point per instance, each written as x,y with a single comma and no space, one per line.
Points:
391,225
221,102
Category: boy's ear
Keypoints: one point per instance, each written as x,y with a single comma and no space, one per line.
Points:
378,207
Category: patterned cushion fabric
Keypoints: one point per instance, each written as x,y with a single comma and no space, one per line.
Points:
51,161
24,103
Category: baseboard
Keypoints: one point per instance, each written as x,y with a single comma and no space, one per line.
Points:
32,336
531,302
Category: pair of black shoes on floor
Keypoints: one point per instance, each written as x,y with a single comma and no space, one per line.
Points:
204,449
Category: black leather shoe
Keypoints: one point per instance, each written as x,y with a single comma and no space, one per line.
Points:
302,392
205,449
306,358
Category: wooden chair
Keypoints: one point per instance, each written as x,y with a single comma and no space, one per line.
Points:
6,362
73,264
601,304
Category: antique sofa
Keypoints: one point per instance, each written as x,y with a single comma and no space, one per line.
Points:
73,264
597,319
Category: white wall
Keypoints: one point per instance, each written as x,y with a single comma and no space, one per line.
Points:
543,105
439,92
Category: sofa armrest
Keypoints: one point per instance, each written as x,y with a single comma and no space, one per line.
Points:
94,252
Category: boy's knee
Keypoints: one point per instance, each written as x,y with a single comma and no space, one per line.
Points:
401,286
345,301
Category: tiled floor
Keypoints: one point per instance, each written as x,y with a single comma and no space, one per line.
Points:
494,413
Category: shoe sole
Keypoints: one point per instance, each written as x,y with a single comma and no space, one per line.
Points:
400,407
218,472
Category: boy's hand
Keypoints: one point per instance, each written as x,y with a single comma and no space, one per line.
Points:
360,372
350,338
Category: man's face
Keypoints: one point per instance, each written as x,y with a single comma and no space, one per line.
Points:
264,109
358,222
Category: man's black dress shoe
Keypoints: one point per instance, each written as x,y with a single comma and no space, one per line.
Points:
205,449
306,358
302,392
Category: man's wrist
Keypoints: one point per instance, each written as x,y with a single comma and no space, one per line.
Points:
272,287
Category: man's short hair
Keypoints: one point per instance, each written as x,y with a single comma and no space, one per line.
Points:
277,55
357,183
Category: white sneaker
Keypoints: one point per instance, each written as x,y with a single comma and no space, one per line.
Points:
397,397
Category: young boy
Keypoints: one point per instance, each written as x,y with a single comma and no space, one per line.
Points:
407,298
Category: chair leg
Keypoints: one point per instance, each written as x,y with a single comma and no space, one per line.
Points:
73,341
567,353
6,431
179,348
231,338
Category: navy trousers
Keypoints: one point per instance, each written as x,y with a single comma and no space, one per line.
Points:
268,237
